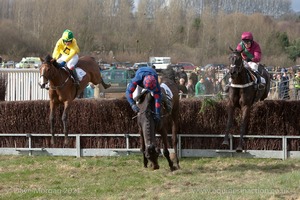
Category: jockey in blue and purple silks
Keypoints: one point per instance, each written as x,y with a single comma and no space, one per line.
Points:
147,78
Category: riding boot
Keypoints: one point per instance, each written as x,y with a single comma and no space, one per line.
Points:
74,74
260,85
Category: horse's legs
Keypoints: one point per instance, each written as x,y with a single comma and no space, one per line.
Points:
244,126
166,152
175,141
64,119
101,81
143,148
53,107
229,124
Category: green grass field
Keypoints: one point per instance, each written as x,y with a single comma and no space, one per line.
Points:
44,177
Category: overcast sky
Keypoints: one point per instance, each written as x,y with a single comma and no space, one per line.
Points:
296,5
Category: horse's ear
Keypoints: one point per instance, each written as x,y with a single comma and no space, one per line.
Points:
231,49
42,60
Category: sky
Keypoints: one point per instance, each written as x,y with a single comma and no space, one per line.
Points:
296,5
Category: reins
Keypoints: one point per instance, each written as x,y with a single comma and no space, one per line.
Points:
59,86
240,85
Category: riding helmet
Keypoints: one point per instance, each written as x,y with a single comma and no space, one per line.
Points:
149,82
247,36
67,36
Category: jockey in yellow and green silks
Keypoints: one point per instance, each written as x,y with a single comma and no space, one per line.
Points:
66,52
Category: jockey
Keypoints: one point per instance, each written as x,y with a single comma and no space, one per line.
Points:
66,53
251,55
145,77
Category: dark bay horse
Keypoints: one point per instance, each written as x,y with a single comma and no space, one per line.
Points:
243,94
62,87
169,121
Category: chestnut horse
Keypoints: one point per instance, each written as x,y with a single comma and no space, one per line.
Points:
169,121
243,93
62,87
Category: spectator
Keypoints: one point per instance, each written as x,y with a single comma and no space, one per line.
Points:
297,86
182,88
190,88
218,87
209,85
89,91
182,74
200,88
194,76
284,84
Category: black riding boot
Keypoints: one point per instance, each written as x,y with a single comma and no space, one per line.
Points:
74,74
260,85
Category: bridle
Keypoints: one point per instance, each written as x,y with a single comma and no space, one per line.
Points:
43,75
237,69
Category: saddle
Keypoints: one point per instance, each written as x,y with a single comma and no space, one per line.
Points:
256,77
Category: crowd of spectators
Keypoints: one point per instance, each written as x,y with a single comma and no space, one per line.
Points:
198,83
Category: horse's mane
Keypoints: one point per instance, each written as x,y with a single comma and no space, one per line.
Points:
50,60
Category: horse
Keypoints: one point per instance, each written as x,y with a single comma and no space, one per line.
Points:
148,128
243,93
62,86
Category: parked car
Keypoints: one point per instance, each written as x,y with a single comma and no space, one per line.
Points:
118,78
136,66
9,64
186,66
121,64
29,62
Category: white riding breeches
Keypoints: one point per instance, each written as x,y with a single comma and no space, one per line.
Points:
71,63
252,65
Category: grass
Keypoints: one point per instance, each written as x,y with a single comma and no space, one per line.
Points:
44,177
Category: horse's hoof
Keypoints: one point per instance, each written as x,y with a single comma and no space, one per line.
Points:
225,143
239,150
173,168
155,167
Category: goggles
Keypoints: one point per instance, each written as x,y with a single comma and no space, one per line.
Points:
65,41
247,41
